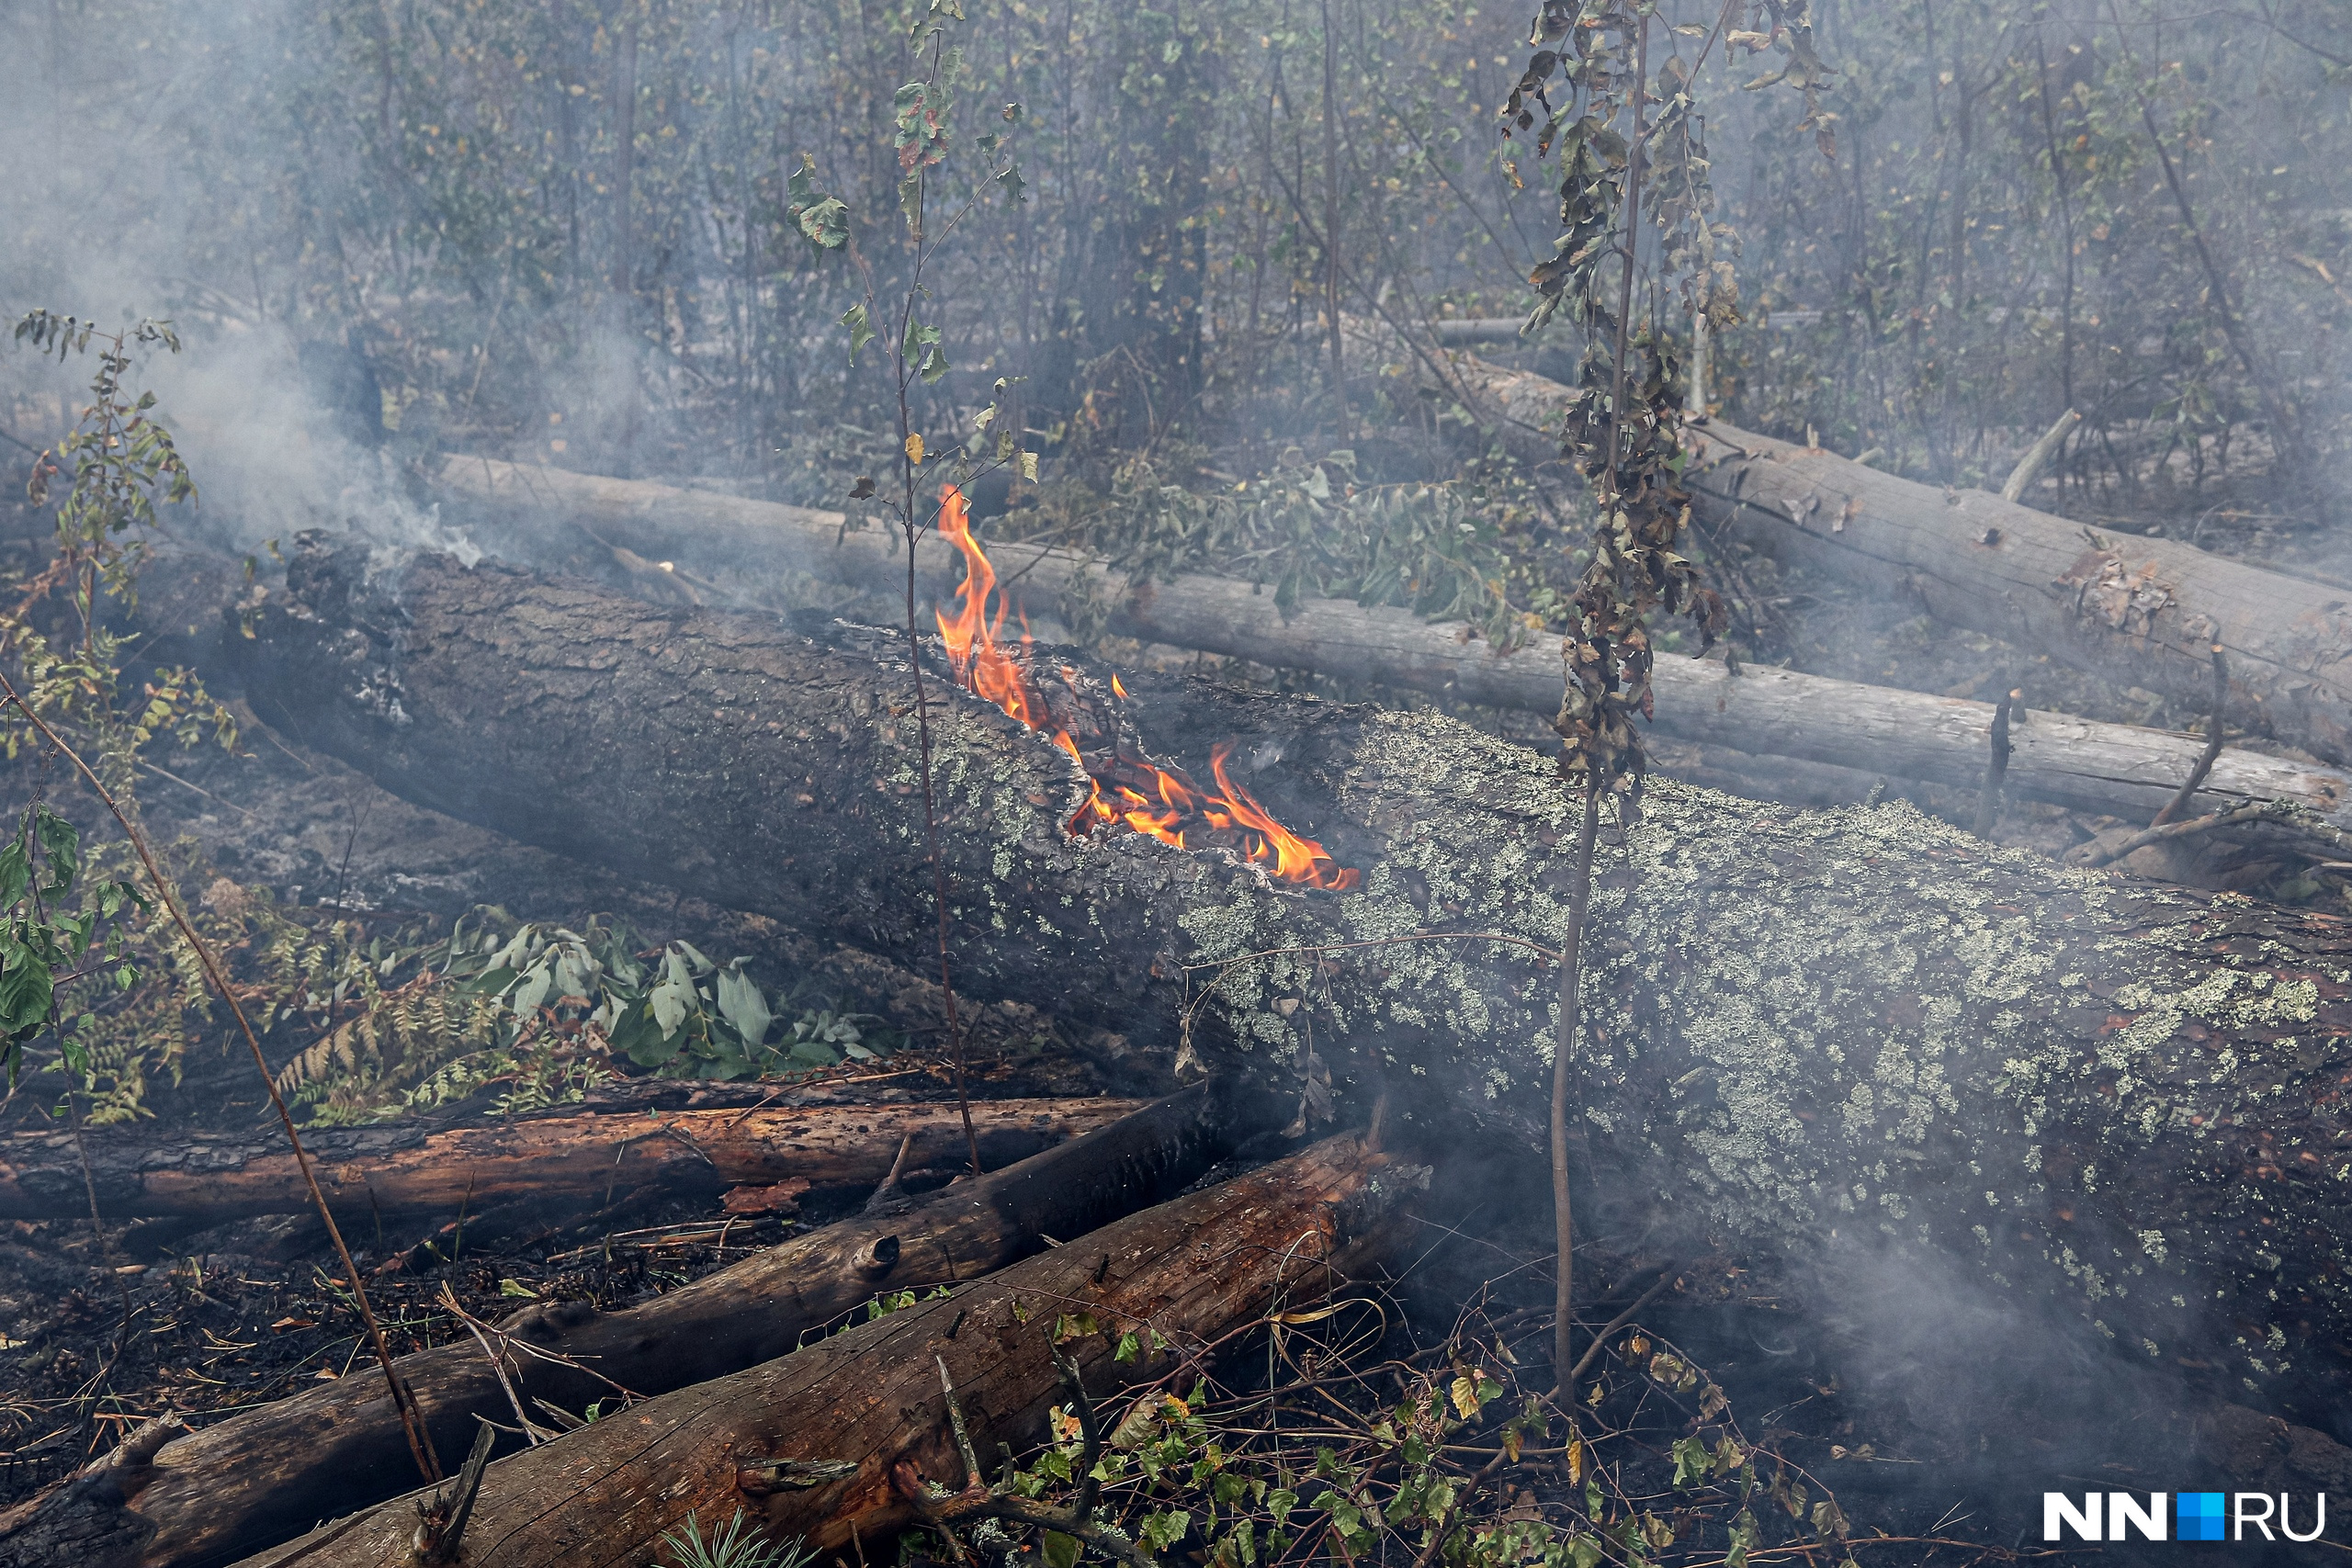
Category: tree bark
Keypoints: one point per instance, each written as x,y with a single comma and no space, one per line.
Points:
405,1168
267,1474
2112,769
1191,1272
2139,611
2123,1098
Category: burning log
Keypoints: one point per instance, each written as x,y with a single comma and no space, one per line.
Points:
580,1157
2139,611
268,1474
810,1439
2115,769
2122,1097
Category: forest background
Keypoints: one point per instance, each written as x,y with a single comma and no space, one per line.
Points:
569,233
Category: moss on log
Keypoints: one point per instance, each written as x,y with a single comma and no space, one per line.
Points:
2126,1099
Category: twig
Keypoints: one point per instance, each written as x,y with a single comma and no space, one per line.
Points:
979,1500
1989,796
2038,456
2285,419
2286,813
531,1431
442,1517
1563,1050
889,1191
420,1442
2213,737
164,773
486,1332
1619,1321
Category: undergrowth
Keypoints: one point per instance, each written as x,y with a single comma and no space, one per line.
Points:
1329,1449
539,1011
523,1014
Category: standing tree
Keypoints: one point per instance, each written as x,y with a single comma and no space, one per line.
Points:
912,350
1632,166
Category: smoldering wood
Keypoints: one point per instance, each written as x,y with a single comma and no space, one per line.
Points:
265,1474
2121,1096
2140,611
578,1158
1191,1272
2113,769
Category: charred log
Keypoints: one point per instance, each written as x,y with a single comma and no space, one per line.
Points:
2126,1098
2118,769
567,1157
1184,1275
189,1499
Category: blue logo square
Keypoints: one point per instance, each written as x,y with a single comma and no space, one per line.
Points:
2196,1516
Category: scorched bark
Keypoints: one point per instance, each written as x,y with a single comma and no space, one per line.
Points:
2123,1097
265,1474
1181,1278
576,1158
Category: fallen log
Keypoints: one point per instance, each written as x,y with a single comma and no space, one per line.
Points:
1186,1275
2122,1097
2142,611
267,1474
2111,769
405,1168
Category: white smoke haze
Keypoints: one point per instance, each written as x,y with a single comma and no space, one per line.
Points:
392,232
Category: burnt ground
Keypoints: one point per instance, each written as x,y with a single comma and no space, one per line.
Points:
1926,1414
1930,1415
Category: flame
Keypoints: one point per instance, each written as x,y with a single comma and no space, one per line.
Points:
1295,859
983,665
973,651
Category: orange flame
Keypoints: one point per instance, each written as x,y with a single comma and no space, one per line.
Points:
978,660
1295,859
983,665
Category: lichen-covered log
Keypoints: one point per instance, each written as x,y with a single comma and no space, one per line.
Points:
2124,1097
1180,1278
2115,768
575,1158
2141,611
268,1474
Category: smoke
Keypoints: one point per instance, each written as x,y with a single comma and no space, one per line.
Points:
164,146
275,457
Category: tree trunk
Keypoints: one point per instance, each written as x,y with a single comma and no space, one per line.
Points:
1864,1021
405,1168
2138,610
267,1474
2114,768
1186,1275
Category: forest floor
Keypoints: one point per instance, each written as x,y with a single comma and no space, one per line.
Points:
99,1330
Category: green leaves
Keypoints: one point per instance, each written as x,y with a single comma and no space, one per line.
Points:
1162,1528
861,330
919,348
822,219
920,110
42,941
